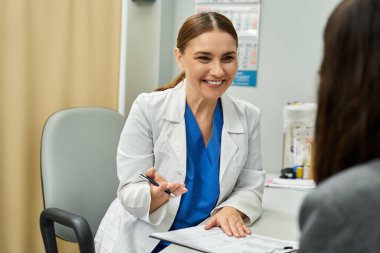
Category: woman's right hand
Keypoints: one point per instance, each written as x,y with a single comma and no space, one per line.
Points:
158,194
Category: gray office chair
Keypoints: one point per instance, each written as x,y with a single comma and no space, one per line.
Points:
78,173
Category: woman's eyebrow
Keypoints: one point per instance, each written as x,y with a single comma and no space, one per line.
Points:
229,53
203,53
207,53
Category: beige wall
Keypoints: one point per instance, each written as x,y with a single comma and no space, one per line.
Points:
53,54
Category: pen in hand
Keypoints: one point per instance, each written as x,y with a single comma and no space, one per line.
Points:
155,183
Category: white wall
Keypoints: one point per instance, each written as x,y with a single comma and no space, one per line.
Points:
290,50
149,48
143,32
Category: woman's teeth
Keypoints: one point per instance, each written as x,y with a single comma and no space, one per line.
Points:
214,83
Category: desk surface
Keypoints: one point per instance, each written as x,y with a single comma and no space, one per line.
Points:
279,218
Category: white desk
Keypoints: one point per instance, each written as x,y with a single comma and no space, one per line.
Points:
279,218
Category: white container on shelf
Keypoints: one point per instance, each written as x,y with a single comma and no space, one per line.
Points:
299,121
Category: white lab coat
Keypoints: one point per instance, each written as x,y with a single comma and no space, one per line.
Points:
154,136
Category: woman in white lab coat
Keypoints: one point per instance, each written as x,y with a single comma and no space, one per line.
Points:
195,141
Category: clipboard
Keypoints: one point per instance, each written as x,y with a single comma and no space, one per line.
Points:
216,241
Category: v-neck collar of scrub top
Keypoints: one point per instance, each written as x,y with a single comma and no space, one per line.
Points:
212,149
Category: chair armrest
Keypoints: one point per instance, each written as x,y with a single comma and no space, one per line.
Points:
79,224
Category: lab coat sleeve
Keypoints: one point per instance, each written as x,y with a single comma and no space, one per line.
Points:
135,155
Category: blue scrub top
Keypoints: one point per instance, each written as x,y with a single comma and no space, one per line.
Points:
202,173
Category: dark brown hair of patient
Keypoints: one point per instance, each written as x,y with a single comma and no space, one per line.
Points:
348,117
194,26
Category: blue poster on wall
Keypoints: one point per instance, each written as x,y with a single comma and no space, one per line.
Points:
245,78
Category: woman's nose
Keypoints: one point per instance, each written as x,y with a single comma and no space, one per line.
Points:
216,69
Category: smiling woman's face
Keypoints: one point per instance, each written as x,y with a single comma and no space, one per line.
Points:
210,64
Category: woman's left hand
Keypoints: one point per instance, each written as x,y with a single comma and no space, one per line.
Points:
231,221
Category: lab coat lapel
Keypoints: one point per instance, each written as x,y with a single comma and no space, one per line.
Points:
177,140
232,128
176,135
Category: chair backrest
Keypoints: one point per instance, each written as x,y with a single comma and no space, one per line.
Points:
78,163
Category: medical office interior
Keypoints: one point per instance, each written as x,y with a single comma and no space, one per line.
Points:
62,54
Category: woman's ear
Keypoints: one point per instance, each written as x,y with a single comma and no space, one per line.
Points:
178,58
